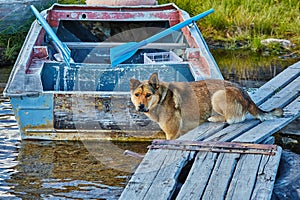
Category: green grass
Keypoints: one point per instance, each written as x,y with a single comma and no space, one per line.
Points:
11,45
246,20
233,23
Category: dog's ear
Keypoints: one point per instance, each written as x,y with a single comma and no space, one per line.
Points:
134,83
153,81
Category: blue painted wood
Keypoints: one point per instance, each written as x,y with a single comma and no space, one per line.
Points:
123,52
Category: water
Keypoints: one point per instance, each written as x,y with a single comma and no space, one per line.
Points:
85,170
60,169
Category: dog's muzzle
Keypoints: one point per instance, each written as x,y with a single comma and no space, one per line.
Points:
142,108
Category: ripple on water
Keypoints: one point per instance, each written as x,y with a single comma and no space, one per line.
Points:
58,169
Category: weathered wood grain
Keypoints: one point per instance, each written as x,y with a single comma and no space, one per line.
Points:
199,175
266,175
221,176
284,96
277,83
164,184
157,173
203,131
233,131
244,177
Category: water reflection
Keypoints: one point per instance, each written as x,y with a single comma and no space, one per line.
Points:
249,69
60,169
67,169
93,169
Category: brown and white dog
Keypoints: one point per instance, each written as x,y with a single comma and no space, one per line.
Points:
181,106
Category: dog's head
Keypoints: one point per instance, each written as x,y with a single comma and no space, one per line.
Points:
144,94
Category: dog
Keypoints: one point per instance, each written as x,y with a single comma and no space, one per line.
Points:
179,107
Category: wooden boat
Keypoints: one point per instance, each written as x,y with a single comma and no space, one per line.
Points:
90,99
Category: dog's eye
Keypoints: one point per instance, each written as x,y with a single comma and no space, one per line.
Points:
137,94
148,95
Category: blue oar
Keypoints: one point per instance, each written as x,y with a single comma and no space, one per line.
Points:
123,52
66,52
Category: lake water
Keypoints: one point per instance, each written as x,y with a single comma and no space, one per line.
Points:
60,169
95,169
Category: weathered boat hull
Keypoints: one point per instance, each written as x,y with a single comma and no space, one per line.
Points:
90,99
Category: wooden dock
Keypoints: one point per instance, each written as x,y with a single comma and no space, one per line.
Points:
192,174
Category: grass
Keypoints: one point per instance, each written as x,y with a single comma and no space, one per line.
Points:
247,20
235,24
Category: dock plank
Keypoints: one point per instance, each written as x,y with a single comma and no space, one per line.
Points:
195,184
233,131
221,176
167,176
203,131
269,127
266,176
284,96
244,177
277,83
151,176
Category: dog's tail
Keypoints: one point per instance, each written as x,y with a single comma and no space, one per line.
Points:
264,115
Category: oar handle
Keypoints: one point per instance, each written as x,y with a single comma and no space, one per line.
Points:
166,32
63,48
178,26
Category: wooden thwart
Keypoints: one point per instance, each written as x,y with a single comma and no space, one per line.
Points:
216,147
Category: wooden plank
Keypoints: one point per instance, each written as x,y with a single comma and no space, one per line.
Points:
221,176
146,182
284,96
218,144
277,83
203,131
194,186
146,174
151,176
143,177
167,176
266,175
269,127
233,131
244,177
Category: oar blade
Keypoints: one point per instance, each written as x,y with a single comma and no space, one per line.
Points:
120,53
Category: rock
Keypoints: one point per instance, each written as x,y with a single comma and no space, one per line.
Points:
283,43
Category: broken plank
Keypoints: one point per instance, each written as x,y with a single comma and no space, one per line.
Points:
143,177
266,176
152,175
194,186
244,177
221,176
167,177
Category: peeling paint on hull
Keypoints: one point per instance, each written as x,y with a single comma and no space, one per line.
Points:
90,100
